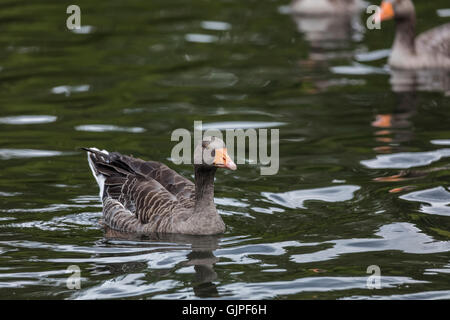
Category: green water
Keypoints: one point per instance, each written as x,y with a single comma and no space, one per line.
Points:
363,178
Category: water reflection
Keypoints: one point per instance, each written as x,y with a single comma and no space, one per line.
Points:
126,86
296,198
108,128
201,38
216,25
68,90
270,290
27,119
327,33
357,68
396,128
437,200
84,30
198,250
429,295
239,125
6,154
420,80
404,160
401,236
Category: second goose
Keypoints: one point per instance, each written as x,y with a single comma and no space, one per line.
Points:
429,50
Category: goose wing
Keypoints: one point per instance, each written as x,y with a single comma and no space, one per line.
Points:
173,182
133,201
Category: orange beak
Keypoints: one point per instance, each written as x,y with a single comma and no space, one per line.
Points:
387,10
223,160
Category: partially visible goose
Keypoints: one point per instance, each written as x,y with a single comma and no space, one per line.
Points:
429,50
146,196
326,7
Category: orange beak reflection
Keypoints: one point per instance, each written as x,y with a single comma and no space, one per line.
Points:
223,160
387,11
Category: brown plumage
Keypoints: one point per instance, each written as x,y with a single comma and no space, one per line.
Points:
147,196
429,50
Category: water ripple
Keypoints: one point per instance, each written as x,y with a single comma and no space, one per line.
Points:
267,290
372,55
84,29
86,220
50,208
200,38
401,236
216,25
443,12
68,90
442,142
27,279
445,269
101,249
9,194
205,78
6,154
240,125
28,119
128,285
295,199
108,128
357,69
438,200
427,295
240,254
406,160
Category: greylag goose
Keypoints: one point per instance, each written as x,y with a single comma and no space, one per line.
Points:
146,197
326,7
429,50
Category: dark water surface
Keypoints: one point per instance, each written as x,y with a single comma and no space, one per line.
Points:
364,153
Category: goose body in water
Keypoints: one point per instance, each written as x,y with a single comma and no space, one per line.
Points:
148,197
326,7
429,50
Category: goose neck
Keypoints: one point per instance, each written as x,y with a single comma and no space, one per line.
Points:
405,35
204,187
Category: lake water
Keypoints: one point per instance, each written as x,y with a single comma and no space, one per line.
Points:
364,171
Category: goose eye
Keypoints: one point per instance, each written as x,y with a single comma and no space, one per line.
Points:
213,153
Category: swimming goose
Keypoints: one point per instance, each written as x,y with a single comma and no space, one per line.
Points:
326,7
429,50
148,197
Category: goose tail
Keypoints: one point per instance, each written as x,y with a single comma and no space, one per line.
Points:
94,157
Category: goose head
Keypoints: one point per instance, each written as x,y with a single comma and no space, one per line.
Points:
397,9
212,153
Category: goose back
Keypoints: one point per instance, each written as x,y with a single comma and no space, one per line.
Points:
435,41
141,196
